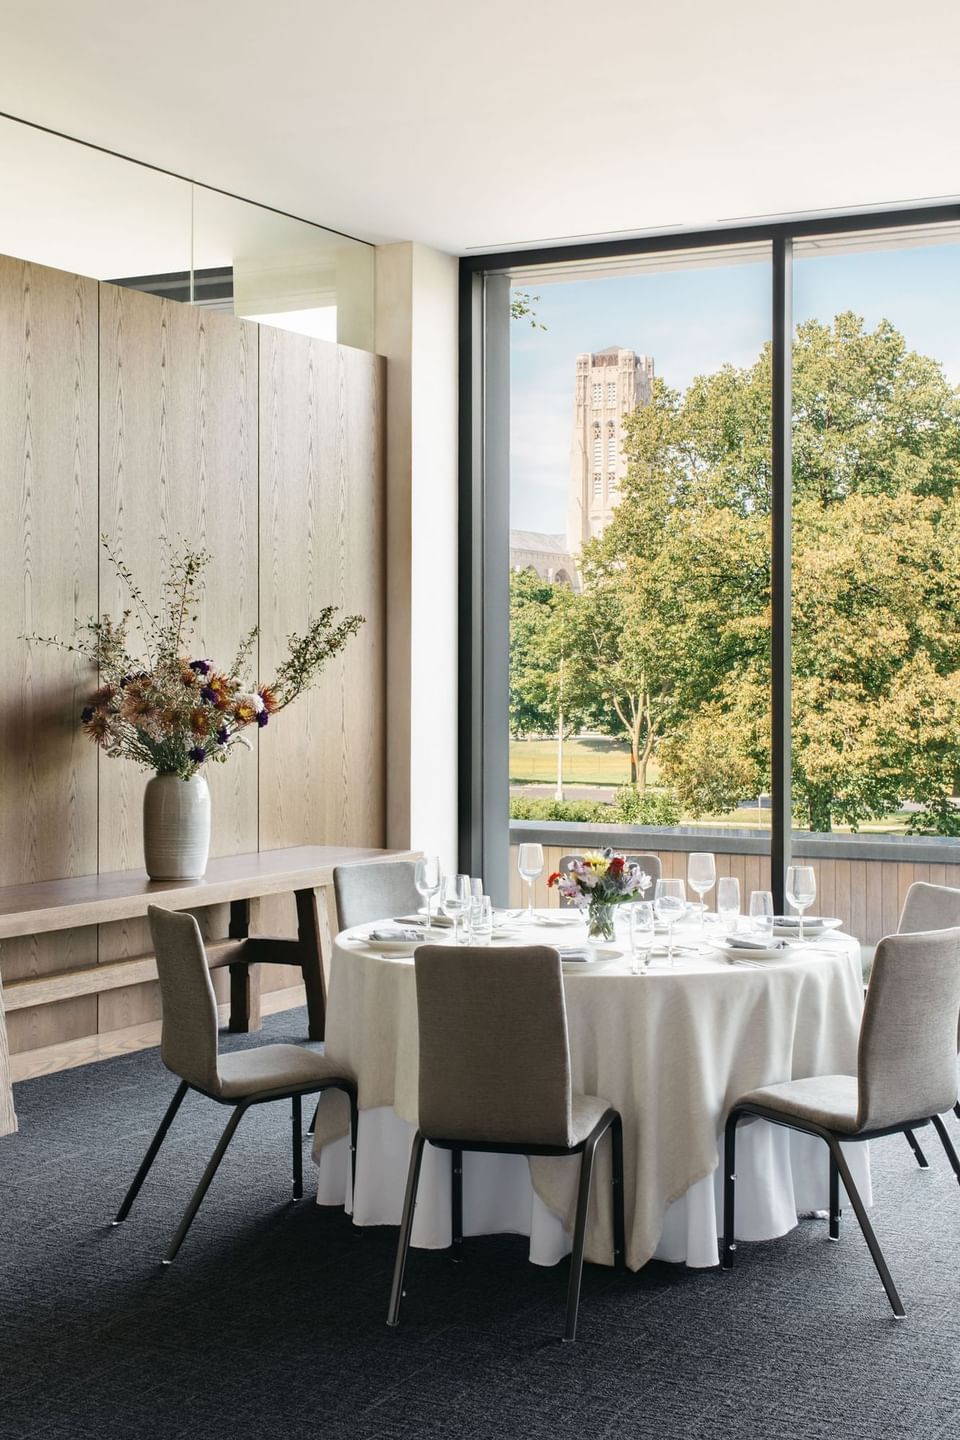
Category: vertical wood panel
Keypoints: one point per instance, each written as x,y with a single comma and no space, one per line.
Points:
321,543
48,499
178,464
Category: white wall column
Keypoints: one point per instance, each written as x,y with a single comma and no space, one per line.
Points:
417,331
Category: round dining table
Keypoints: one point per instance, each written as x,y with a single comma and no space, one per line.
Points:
671,1048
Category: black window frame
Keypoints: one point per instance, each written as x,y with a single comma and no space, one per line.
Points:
483,787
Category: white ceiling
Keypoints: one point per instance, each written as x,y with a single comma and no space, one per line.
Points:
509,121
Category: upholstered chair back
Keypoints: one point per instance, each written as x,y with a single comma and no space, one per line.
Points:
649,864
494,1060
188,1039
907,1065
375,892
929,907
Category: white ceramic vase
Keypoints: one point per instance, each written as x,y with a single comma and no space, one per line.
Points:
176,827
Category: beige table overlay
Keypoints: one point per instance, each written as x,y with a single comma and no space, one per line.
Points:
671,1050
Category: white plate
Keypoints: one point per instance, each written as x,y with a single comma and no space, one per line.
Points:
603,953
750,952
788,927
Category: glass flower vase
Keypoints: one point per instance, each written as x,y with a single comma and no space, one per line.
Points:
600,918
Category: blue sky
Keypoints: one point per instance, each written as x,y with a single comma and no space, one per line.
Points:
692,322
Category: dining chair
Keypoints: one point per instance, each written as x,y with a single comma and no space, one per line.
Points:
495,1077
929,907
650,864
189,1049
906,1077
375,891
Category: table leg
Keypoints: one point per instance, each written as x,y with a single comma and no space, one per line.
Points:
244,976
312,931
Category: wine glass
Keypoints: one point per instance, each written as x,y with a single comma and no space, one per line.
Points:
530,865
456,900
728,901
801,889
641,935
670,901
701,877
426,877
761,912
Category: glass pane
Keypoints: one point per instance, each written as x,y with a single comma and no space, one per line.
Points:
876,515
285,272
640,541
65,205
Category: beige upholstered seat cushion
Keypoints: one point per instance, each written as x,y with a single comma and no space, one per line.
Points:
585,1112
827,1100
271,1067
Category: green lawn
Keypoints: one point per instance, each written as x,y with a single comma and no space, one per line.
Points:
599,760
593,760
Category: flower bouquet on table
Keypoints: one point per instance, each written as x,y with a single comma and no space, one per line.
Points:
173,713
600,881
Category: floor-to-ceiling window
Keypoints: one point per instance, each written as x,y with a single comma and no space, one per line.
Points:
630,423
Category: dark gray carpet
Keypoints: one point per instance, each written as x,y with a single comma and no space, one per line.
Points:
271,1322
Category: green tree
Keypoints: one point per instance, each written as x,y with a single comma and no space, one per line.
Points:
678,585
546,697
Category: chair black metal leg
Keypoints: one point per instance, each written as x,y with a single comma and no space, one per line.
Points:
947,1144
868,1235
406,1228
313,1123
297,1137
956,1109
835,1211
151,1154
729,1189
914,1144
619,1223
456,1203
579,1236
354,1142
204,1185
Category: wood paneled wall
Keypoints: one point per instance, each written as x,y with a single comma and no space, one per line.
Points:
867,895
152,421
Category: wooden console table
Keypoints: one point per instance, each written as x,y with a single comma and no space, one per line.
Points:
50,905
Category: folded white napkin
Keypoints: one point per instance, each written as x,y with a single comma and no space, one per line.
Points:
395,932
437,922
742,942
573,952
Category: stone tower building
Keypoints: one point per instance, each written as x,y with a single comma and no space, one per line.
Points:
608,386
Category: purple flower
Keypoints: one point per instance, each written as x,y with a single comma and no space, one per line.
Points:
223,735
86,713
197,754
262,717
202,667
209,694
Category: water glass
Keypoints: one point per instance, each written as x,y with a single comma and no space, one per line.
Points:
481,920
801,889
641,935
728,901
530,866
761,913
455,901
701,877
669,903
426,877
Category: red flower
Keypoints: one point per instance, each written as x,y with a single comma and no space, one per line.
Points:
616,865
554,878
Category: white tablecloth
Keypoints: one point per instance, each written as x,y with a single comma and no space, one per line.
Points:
671,1050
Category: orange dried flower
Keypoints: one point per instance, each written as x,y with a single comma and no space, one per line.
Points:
245,712
270,702
104,695
97,727
200,721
